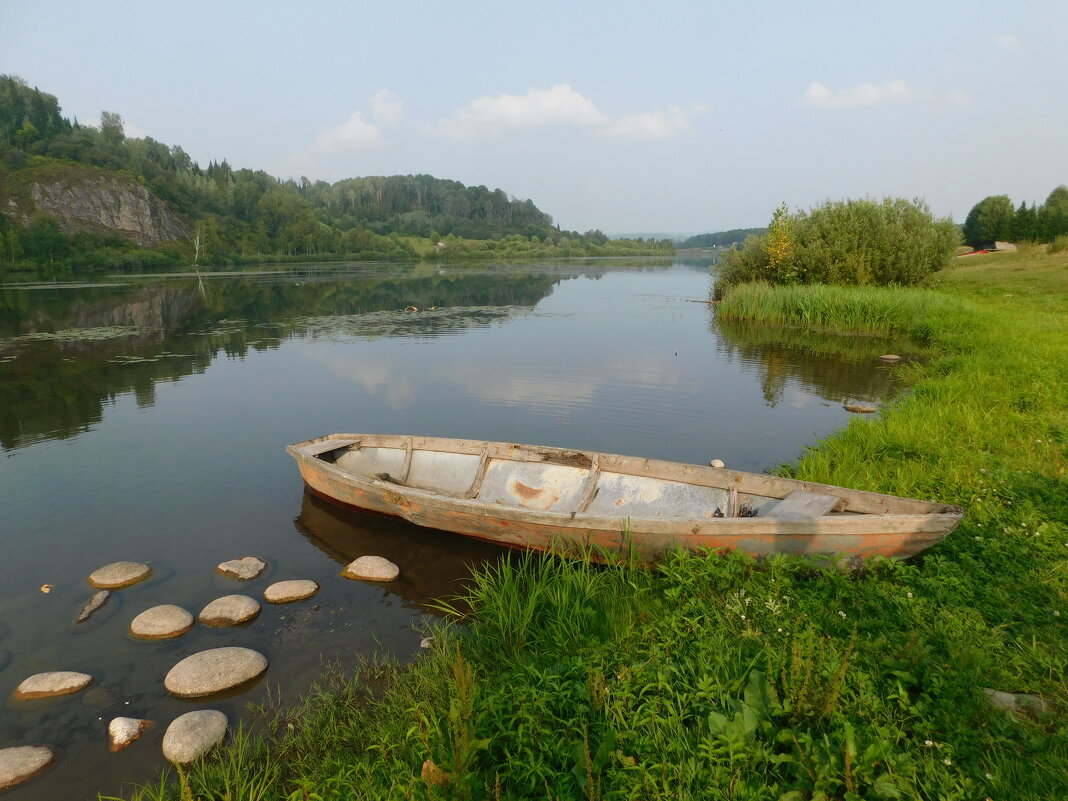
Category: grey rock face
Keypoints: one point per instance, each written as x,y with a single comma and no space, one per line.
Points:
214,671
123,731
283,592
230,610
243,569
97,600
161,623
22,763
193,734
56,682
371,568
109,203
119,574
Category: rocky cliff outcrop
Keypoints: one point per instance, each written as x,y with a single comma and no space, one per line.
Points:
112,204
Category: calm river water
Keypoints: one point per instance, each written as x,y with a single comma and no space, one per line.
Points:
147,419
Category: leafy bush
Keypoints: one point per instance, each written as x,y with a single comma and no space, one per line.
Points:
868,242
1059,244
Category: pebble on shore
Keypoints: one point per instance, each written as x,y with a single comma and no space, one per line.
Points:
193,734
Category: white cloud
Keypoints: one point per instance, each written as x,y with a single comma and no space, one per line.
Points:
387,108
1007,42
353,134
560,106
819,95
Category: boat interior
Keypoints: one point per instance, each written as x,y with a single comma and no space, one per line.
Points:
558,481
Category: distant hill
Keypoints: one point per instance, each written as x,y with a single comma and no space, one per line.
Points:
721,239
86,198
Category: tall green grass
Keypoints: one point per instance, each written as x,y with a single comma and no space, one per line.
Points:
872,310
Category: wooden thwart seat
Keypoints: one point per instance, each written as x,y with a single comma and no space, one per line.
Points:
802,505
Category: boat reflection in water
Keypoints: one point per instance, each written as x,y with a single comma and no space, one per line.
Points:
434,564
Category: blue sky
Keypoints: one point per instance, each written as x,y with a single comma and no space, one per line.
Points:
629,117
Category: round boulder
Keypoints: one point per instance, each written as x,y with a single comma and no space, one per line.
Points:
57,682
244,569
119,574
282,592
123,731
230,610
161,623
371,568
193,734
22,763
214,671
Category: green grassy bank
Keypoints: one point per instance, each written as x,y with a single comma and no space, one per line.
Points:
725,677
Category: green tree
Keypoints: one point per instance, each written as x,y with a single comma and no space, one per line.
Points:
1053,216
112,128
989,220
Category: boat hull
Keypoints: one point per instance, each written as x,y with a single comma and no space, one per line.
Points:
894,533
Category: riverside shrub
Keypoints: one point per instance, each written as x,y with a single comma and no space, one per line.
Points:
892,242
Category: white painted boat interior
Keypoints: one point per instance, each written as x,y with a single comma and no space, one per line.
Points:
543,486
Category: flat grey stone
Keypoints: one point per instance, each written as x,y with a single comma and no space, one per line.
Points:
860,408
890,357
161,623
56,682
119,574
193,734
230,610
123,731
371,568
97,600
214,671
22,763
282,592
244,569
1016,702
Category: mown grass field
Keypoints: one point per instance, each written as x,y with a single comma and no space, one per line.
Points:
722,677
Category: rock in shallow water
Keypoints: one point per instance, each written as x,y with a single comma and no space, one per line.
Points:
214,671
123,731
860,408
97,600
283,592
193,734
230,610
56,682
119,574
244,569
161,623
22,763
371,568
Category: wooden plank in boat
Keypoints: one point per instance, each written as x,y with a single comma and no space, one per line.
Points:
801,505
328,445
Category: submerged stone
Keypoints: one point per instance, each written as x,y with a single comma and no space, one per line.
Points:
23,762
282,592
119,574
56,682
161,623
97,600
193,734
371,568
244,569
230,610
860,408
123,731
214,671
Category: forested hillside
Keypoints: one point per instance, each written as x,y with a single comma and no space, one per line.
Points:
721,239
56,176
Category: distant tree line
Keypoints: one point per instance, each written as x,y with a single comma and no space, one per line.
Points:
995,219
721,239
239,215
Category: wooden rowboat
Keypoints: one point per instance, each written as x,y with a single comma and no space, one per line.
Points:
545,498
